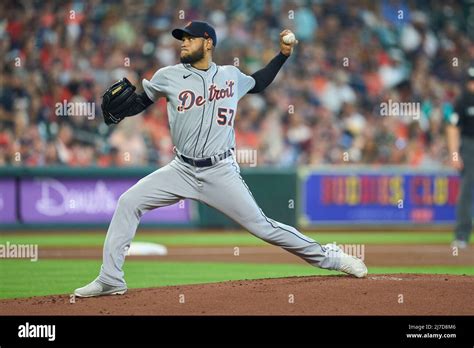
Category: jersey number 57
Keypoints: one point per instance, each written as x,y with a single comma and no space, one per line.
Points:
222,114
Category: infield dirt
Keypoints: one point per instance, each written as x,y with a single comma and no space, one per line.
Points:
318,295
378,294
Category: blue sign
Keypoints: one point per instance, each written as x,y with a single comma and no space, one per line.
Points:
379,198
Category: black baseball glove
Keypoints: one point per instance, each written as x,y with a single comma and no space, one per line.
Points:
117,100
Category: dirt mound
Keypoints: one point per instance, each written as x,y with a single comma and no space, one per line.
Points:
394,294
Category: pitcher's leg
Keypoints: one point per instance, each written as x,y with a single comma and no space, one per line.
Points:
226,191
161,188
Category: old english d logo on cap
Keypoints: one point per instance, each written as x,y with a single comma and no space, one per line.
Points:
196,29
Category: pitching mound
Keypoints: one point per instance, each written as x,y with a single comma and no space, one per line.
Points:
394,294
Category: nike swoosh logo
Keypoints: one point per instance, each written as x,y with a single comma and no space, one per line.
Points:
185,77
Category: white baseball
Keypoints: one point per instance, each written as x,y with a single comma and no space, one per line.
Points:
289,38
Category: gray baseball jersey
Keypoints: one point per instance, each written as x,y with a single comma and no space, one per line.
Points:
202,109
202,105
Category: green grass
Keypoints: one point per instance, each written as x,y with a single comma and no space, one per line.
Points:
23,278
74,239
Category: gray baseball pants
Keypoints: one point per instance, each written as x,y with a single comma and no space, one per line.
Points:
464,206
219,186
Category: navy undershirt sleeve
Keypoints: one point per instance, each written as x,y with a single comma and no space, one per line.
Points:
266,75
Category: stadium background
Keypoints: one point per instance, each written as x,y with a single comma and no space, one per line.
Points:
336,106
326,157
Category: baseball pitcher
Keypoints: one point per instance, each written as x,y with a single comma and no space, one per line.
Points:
202,100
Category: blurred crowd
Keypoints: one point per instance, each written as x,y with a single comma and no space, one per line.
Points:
324,107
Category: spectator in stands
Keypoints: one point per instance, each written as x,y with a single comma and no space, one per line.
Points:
351,57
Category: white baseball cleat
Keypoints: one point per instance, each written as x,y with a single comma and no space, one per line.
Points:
460,244
97,288
348,264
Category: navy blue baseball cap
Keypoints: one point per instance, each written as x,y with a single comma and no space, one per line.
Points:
197,29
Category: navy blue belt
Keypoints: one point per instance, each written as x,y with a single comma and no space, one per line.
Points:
206,162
